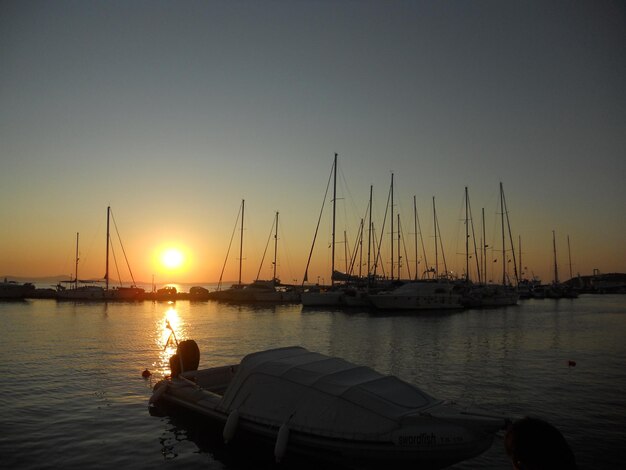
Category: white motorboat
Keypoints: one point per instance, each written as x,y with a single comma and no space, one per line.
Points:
304,403
419,295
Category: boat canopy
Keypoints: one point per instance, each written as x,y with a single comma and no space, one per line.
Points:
313,392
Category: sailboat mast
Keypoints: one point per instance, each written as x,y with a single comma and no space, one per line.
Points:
243,206
415,227
106,273
419,228
369,233
556,269
503,243
519,244
569,255
361,249
76,269
467,277
508,224
399,251
436,250
332,269
483,252
391,189
275,246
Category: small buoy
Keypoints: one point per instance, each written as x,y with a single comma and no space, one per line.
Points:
231,426
146,374
281,442
571,363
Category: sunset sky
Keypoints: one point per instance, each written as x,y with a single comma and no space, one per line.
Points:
173,112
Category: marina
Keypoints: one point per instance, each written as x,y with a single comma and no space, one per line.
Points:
304,281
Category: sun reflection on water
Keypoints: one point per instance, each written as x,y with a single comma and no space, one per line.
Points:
168,328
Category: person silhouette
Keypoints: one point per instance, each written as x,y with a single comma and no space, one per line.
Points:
534,444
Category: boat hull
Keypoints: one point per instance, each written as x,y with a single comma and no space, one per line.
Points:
419,296
305,404
424,447
416,302
322,299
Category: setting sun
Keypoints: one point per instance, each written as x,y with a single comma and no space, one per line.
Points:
172,258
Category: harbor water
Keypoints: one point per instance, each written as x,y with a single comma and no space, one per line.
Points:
73,396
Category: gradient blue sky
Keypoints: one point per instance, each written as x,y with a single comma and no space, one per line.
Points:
173,112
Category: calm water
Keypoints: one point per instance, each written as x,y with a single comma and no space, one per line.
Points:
73,396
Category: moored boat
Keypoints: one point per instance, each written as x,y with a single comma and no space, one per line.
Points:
15,290
86,292
419,295
304,403
490,295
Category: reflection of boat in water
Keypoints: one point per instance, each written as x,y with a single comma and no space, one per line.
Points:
14,290
305,404
419,295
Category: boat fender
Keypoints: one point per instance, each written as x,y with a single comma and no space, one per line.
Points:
158,391
281,442
231,426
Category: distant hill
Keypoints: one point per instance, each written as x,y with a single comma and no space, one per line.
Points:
38,280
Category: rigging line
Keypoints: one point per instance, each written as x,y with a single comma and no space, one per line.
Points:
508,223
358,242
382,264
419,228
285,252
265,251
306,270
123,251
117,269
382,233
474,240
443,254
406,255
219,284
367,208
348,196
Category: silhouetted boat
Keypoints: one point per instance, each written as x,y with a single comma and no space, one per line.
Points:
419,295
307,405
91,291
11,290
86,291
490,295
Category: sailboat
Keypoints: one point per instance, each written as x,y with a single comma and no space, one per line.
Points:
497,295
321,295
335,295
262,291
231,293
559,290
268,291
120,292
89,290
272,291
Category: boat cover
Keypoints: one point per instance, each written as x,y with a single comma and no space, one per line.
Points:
317,393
